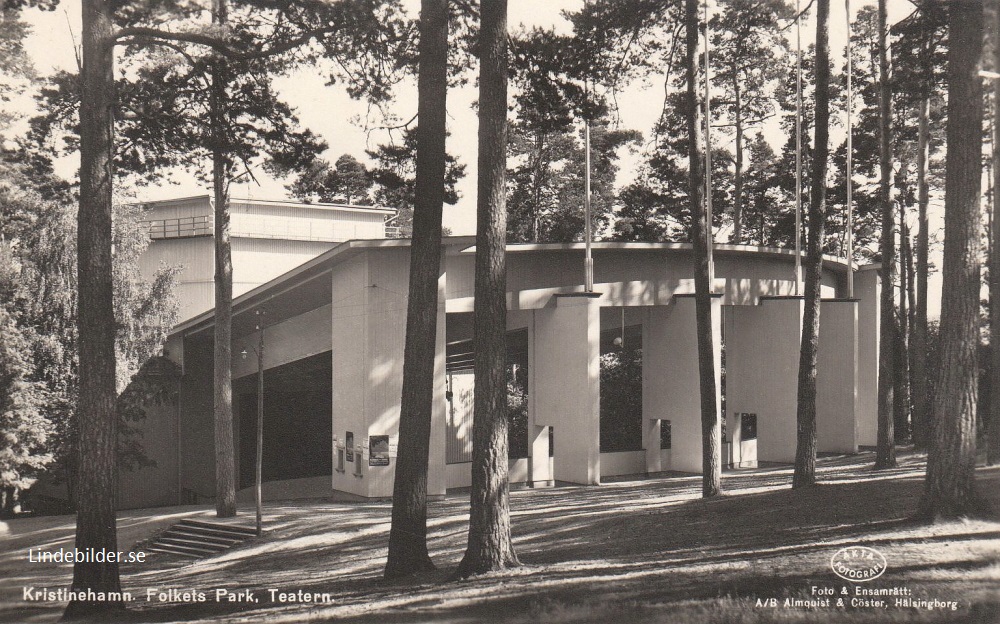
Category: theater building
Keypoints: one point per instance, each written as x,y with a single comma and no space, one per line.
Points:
334,331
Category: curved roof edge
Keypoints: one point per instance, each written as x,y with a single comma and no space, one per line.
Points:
324,262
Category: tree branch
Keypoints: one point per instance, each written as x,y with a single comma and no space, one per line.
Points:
158,42
797,16
214,43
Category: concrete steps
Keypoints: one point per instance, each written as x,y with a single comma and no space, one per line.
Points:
198,539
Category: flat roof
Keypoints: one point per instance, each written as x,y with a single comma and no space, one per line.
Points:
284,203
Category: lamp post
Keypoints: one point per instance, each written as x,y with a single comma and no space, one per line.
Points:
260,413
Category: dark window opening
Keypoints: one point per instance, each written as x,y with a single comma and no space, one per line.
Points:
517,409
748,427
621,399
665,434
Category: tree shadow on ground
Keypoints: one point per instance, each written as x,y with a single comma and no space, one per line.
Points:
641,546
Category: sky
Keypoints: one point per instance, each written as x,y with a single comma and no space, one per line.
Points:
339,120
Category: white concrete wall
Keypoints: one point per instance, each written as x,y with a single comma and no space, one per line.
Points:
349,340
671,388
368,336
762,360
539,464
629,277
867,288
837,377
460,475
565,383
294,339
152,486
623,463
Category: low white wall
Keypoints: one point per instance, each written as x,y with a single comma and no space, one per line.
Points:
623,463
460,475
612,464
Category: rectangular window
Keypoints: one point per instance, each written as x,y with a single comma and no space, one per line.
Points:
665,434
357,462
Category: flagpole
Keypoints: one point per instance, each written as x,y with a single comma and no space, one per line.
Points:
798,148
588,262
849,253
708,160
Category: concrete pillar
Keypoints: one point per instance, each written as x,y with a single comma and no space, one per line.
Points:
837,377
565,382
671,388
539,464
762,363
867,289
651,427
368,336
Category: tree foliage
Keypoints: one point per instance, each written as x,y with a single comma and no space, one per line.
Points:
348,181
38,284
395,178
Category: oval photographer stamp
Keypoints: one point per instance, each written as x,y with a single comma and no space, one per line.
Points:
858,564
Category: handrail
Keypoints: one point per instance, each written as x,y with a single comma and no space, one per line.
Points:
181,227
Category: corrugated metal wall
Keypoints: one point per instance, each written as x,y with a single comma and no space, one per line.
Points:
267,241
256,261
191,207
305,223
195,283
458,439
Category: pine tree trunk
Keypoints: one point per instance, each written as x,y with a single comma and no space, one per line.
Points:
408,535
536,190
805,450
490,546
911,318
921,397
98,425
885,453
949,489
993,422
901,382
738,176
711,428
225,454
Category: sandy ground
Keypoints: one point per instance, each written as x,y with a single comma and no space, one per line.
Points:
647,550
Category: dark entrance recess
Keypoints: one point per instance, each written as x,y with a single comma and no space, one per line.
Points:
621,389
461,358
298,423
